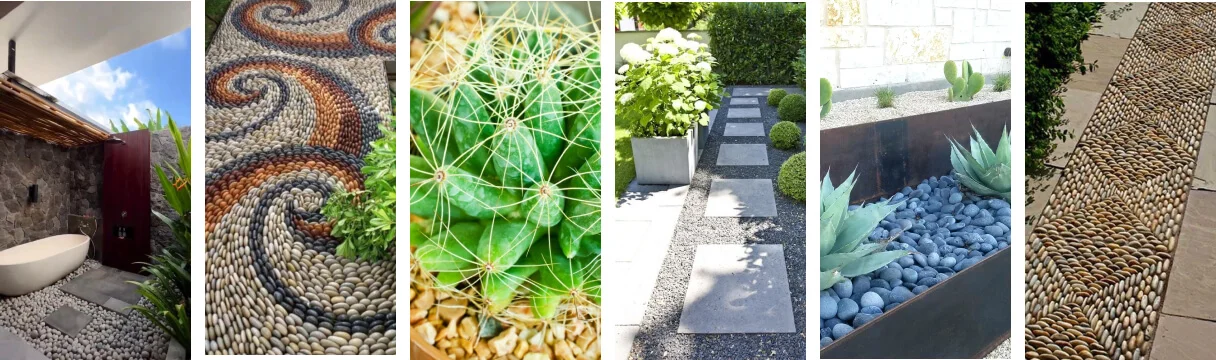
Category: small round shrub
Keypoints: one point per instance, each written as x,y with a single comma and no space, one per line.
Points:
785,135
775,96
792,108
791,180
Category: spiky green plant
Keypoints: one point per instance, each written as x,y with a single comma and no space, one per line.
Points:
505,169
845,250
963,87
825,97
1001,83
886,97
982,170
156,121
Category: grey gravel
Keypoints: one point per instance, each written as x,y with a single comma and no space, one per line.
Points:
866,110
1001,352
658,337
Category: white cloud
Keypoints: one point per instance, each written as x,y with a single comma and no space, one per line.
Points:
176,41
102,93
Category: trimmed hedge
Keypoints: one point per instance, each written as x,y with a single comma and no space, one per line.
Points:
756,43
791,180
775,96
785,135
792,108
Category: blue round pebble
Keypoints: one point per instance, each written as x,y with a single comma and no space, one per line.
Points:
847,308
910,276
919,289
825,341
869,299
840,330
901,294
862,319
843,289
872,310
890,274
827,306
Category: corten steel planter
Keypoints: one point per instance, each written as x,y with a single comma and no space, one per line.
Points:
892,154
665,160
966,316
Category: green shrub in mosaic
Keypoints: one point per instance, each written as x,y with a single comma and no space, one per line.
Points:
982,170
505,170
668,85
792,108
785,135
1001,83
791,180
775,96
886,98
825,97
366,220
845,248
964,84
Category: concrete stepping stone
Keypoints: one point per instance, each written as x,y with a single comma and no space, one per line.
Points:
15,348
741,198
744,129
753,91
744,101
738,288
743,154
106,286
68,320
742,113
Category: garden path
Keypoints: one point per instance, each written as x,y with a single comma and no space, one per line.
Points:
731,281
1118,221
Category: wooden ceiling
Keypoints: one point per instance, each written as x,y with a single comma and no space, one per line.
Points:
25,112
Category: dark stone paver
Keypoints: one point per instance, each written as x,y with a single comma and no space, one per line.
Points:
741,198
738,288
68,320
12,347
102,284
744,129
743,155
744,101
742,113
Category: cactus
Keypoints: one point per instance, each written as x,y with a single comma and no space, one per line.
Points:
962,88
505,168
825,97
844,251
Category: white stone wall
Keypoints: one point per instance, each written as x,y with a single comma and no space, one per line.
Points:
890,42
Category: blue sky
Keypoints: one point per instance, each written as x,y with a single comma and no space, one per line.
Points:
155,76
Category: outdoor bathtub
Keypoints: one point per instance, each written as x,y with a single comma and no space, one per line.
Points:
34,265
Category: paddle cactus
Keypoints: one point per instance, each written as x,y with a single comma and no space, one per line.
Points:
825,97
962,88
844,247
505,170
982,170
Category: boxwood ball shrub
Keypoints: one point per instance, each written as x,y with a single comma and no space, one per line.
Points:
785,135
668,85
791,180
775,96
756,43
792,108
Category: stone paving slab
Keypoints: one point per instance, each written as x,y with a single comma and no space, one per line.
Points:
1192,281
743,154
1180,338
744,101
68,320
1123,27
762,91
1205,169
13,347
737,288
744,129
742,113
99,285
741,198
1084,91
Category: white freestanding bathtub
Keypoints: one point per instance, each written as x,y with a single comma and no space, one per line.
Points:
34,265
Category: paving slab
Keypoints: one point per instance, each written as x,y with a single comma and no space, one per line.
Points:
632,234
15,348
100,285
744,101
1084,91
762,91
1205,167
652,195
1192,281
1123,27
1042,191
1180,338
743,154
68,320
741,198
624,341
744,129
738,288
743,113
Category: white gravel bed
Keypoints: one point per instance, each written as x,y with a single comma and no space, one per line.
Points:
866,110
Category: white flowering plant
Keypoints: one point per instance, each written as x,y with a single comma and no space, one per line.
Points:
667,86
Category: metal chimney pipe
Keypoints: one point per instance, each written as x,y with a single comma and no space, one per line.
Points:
12,56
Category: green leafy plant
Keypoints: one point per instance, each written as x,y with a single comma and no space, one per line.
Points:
775,96
791,179
785,135
825,97
668,86
366,220
798,67
845,250
792,108
886,98
665,14
168,286
1001,83
982,170
505,171
963,85
156,122
754,42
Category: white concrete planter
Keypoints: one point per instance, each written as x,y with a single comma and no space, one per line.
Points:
665,160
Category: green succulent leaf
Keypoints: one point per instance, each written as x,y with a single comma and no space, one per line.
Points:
504,242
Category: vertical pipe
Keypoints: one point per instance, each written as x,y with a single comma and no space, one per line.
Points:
12,56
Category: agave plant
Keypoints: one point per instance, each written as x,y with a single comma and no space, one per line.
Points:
844,247
981,170
156,122
504,169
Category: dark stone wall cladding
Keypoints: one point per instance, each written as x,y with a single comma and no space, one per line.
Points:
69,183
164,151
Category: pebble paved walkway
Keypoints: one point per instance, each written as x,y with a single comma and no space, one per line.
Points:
1099,258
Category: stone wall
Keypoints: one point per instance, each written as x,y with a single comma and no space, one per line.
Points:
69,183
870,43
164,150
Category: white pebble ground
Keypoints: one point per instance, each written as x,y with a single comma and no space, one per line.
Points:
860,111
